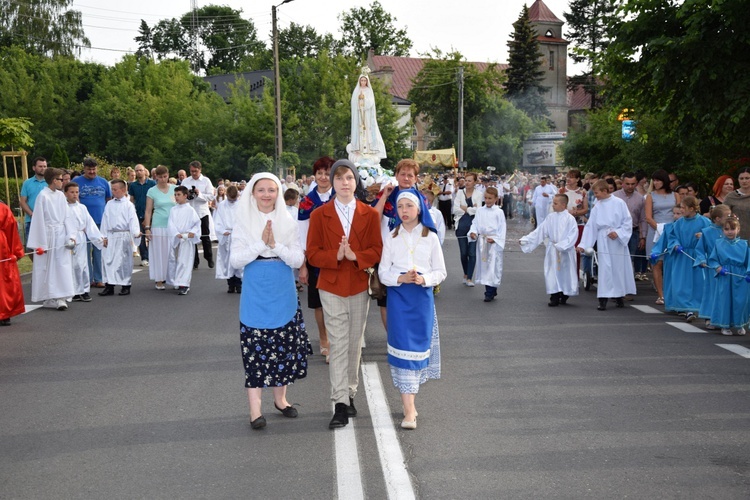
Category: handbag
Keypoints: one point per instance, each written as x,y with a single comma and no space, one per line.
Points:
375,288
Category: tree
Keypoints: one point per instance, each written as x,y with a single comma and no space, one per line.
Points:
494,128
299,41
364,28
15,133
43,27
588,24
145,40
690,63
523,86
214,38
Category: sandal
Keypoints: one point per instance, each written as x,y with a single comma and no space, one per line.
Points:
324,351
660,301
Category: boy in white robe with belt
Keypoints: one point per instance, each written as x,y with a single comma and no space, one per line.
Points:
121,233
560,229
183,231
488,230
52,235
224,217
610,227
86,228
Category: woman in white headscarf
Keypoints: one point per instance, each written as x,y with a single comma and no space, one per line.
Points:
365,135
265,244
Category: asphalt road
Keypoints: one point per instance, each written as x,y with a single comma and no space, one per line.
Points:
143,397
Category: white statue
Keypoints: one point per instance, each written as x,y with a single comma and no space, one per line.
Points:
366,145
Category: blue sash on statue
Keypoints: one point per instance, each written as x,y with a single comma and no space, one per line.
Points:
269,296
410,320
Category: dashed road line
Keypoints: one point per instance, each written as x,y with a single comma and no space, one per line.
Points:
647,309
737,349
397,480
686,327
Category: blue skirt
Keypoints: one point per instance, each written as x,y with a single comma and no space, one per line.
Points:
411,313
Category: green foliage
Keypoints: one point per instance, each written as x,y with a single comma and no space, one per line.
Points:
15,133
588,30
523,84
299,42
689,63
14,186
59,158
494,128
259,163
43,27
365,28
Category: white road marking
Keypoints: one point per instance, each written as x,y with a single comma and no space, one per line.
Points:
31,307
397,480
348,473
137,270
647,309
686,327
737,349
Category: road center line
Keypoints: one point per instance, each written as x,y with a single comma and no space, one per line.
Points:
397,480
647,309
737,349
686,327
348,474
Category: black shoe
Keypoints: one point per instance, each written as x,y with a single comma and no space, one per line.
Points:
124,291
211,264
619,302
5,322
554,300
351,411
86,297
288,412
238,289
258,423
231,289
77,298
563,299
602,305
340,419
108,290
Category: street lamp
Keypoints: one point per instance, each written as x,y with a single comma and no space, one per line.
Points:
279,146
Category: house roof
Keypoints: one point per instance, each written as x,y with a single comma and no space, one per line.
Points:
539,12
405,69
578,99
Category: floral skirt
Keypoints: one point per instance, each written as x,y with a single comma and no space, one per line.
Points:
275,357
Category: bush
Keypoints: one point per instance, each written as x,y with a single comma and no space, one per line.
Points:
15,188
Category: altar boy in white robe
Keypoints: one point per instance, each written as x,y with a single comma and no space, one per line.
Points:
86,228
488,230
560,230
52,235
609,227
121,233
224,218
183,231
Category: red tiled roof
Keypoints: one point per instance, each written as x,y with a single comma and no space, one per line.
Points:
578,99
539,12
551,39
405,69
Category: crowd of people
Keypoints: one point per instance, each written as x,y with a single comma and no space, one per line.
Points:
327,233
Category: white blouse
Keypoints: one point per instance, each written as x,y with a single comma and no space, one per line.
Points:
409,251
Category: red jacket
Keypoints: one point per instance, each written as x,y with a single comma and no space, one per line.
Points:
343,277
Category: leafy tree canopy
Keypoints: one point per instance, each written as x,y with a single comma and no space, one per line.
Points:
43,27
364,28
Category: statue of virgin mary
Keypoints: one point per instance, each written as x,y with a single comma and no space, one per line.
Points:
366,142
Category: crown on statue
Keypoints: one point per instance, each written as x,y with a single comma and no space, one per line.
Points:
365,71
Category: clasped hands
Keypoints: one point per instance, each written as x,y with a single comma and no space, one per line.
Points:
345,250
411,276
267,236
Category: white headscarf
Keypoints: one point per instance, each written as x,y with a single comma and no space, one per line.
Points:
411,197
251,222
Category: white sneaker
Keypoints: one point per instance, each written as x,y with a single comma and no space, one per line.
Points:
464,281
50,304
726,331
469,283
690,317
144,263
741,331
62,305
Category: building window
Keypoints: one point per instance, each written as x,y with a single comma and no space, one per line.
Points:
551,60
414,146
414,131
549,34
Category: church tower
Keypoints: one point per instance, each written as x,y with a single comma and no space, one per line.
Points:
554,60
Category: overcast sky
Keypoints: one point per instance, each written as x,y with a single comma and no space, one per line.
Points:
479,29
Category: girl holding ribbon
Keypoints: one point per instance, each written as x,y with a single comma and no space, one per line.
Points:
411,265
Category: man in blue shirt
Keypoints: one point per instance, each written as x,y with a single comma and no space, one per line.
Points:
30,189
137,191
94,193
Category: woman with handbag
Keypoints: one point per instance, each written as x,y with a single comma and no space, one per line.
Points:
465,207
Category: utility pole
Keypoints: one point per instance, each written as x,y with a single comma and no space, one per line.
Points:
279,149
460,116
